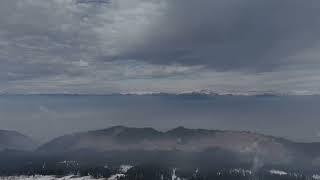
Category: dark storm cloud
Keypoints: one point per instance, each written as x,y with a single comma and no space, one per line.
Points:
232,35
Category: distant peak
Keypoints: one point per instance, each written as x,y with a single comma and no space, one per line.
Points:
116,130
179,128
93,1
117,127
126,127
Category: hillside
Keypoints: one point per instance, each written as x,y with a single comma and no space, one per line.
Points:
12,140
246,146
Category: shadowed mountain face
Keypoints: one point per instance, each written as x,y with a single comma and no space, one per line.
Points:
124,139
193,140
15,141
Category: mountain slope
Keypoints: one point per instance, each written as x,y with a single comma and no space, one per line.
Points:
179,144
124,139
12,140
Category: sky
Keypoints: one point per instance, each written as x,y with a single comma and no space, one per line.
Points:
111,46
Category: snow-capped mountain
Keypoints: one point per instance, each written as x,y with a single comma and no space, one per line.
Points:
209,92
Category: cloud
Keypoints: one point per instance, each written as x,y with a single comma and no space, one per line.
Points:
231,35
158,45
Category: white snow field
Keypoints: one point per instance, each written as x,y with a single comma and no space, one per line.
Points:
38,177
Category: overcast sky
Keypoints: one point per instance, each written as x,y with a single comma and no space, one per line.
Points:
105,46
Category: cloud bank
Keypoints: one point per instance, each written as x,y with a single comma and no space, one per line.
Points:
103,46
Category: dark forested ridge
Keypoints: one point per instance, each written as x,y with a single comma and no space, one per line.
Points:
189,153
244,146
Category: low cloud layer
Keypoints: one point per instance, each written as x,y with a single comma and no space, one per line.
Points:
104,46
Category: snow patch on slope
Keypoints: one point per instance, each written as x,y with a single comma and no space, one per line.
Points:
278,172
316,177
116,176
39,177
125,168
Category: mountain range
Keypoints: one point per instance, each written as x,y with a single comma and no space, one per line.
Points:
122,138
244,145
200,146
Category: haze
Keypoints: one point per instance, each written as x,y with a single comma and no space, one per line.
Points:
47,116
